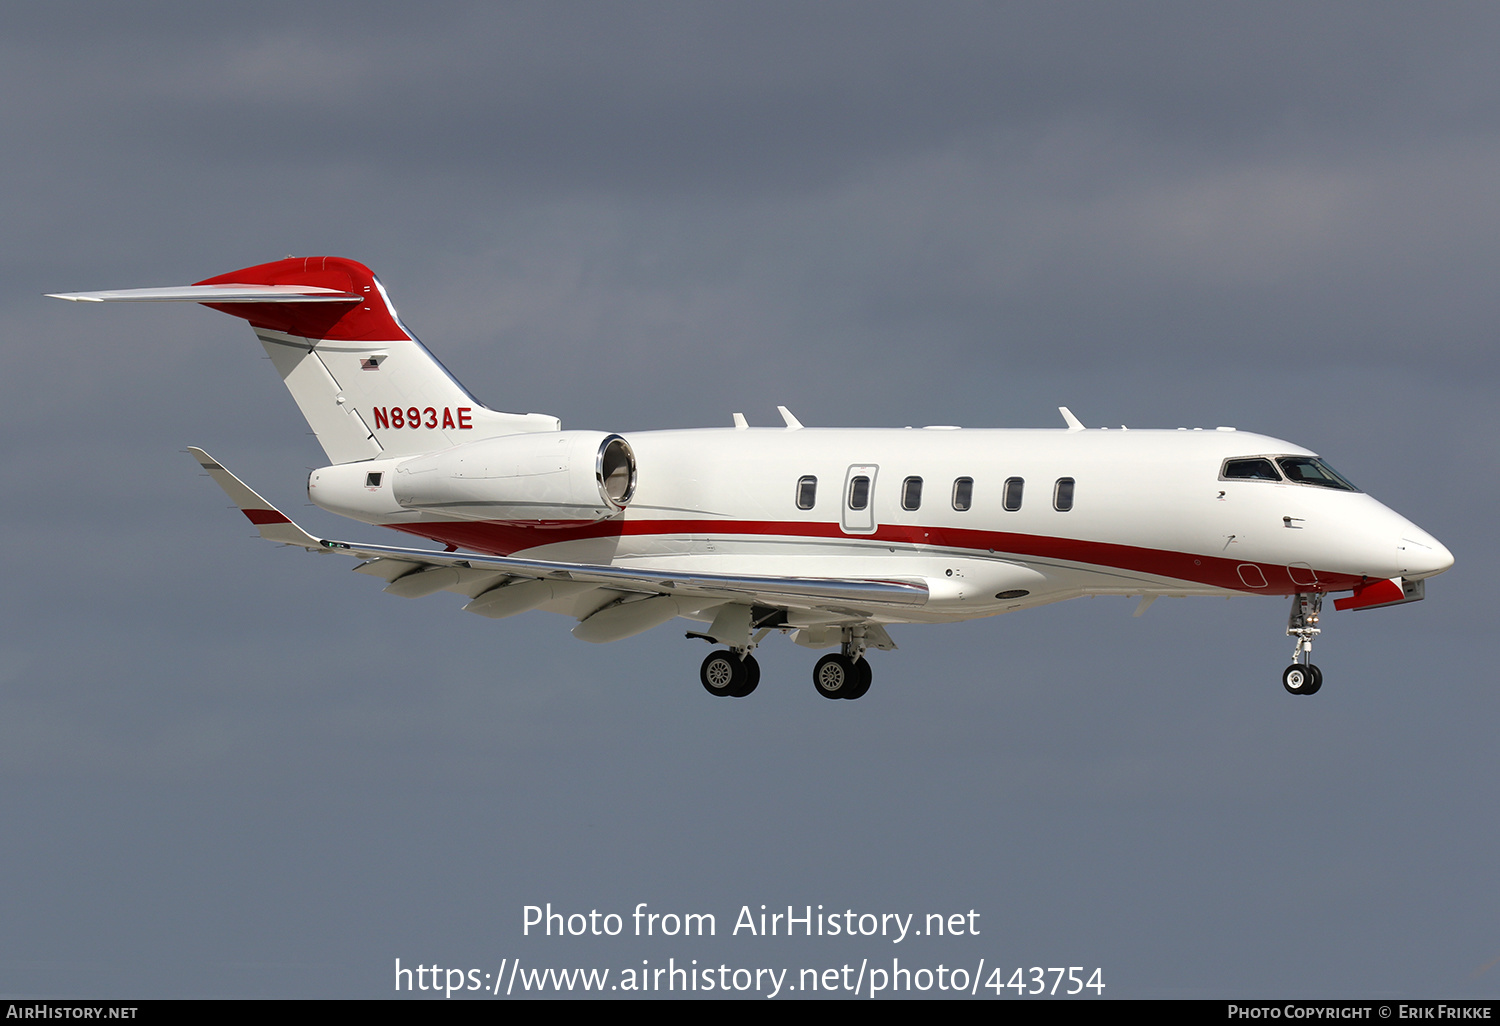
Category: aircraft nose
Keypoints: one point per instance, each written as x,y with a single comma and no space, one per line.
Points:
1422,555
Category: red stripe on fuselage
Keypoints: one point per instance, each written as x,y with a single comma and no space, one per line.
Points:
502,539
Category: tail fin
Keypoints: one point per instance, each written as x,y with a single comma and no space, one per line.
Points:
365,384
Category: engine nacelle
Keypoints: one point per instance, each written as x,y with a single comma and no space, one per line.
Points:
545,477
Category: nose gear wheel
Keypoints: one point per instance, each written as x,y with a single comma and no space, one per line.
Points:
1302,679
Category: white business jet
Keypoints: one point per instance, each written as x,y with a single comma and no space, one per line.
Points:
828,535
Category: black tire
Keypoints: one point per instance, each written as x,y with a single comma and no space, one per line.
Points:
834,676
722,674
1317,680
862,677
752,676
1298,679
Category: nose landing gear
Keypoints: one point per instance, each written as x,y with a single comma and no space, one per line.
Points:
1302,677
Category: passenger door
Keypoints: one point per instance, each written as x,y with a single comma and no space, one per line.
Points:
859,499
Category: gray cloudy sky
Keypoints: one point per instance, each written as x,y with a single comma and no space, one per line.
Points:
229,769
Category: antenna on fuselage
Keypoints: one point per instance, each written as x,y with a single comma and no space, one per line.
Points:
1074,424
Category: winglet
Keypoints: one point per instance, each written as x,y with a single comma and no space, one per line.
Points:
1074,424
272,524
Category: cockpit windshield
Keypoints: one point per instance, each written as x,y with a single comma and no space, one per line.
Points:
1308,470
1250,469
1312,471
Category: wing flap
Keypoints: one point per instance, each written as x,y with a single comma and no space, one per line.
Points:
724,587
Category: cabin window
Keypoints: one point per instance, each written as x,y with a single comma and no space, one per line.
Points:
1011,499
911,493
1257,469
1311,471
859,492
963,493
807,492
1062,495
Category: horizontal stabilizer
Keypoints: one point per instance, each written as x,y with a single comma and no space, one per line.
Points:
215,294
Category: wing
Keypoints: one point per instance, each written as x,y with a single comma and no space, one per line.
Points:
633,599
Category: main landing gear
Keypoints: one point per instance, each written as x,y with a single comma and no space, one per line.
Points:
1302,677
729,675
838,676
846,674
734,673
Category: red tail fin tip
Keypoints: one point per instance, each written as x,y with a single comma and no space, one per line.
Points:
370,321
